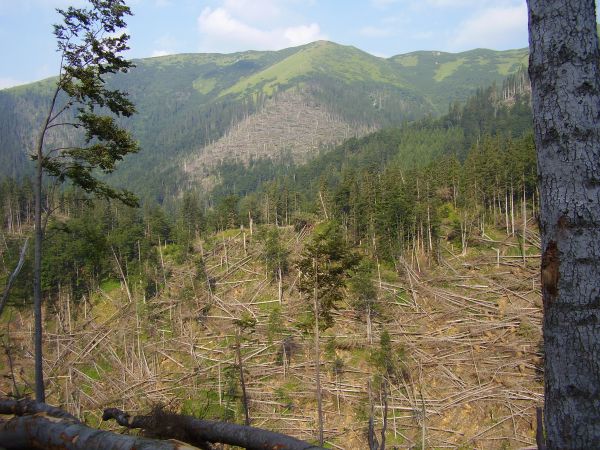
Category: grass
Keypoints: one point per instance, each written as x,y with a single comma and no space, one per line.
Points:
444,70
409,60
348,63
204,405
110,285
510,61
204,85
96,370
276,74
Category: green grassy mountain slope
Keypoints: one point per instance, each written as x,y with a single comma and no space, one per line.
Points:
447,77
326,58
188,102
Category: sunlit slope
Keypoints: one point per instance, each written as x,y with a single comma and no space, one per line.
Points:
446,77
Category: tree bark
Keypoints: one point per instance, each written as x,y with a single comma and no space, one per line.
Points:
46,432
318,359
40,394
40,426
198,431
565,77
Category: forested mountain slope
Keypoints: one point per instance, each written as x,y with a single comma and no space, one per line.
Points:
428,232
187,102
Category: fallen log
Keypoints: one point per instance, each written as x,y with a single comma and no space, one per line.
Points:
40,426
26,406
43,431
198,431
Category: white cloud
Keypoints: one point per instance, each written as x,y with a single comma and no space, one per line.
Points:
302,34
165,45
222,31
256,11
495,28
221,25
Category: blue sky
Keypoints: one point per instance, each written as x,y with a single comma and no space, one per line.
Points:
158,27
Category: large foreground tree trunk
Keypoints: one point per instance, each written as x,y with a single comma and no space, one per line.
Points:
564,71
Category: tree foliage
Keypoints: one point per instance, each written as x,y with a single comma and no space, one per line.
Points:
324,269
90,51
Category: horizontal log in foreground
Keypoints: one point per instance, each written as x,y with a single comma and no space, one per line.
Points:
198,431
40,426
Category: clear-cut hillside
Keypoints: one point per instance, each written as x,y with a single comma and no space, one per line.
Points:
292,126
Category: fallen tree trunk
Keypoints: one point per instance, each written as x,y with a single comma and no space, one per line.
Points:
198,431
40,426
43,431
24,407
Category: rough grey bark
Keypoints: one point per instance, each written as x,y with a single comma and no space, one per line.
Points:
40,426
198,431
565,78
46,432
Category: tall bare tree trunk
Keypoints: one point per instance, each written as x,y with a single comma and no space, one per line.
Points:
40,394
318,360
565,78
238,352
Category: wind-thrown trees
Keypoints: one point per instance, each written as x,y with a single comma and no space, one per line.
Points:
564,67
80,136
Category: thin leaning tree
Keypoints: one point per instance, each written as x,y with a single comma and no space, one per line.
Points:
81,135
564,67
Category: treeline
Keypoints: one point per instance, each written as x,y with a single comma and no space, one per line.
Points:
397,188
392,209
88,242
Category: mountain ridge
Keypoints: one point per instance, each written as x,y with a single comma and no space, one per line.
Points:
186,102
